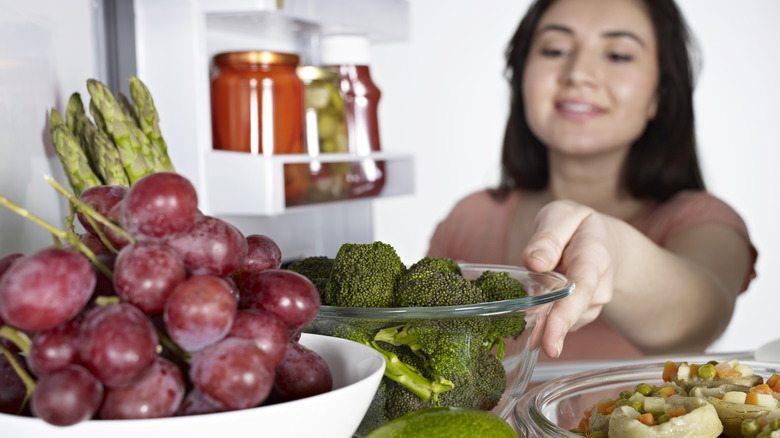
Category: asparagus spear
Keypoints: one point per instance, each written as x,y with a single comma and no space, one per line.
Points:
148,147
104,154
74,161
136,161
149,119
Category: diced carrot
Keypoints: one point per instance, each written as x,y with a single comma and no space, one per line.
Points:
776,388
584,426
675,411
761,389
725,371
773,381
589,412
646,419
607,407
751,398
668,390
670,370
693,368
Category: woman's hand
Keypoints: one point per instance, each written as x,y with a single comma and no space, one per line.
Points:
576,241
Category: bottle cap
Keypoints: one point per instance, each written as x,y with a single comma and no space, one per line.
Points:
345,50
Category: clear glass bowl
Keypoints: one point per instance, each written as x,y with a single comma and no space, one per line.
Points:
519,360
552,408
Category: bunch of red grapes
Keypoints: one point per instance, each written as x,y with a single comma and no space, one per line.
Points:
196,318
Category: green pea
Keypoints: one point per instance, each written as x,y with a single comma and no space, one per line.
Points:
638,405
644,389
627,394
597,434
750,428
775,424
663,418
577,431
622,402
706,371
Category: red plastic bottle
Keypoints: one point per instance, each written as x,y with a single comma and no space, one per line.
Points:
348,54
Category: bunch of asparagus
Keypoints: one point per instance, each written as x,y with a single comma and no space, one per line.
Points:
122,145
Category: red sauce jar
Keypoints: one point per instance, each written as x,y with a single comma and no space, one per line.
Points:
257,103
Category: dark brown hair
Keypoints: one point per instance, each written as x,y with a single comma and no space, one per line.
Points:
662,161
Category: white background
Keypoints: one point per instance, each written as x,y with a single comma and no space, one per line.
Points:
445,100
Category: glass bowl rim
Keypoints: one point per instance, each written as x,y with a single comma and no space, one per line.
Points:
530,400
563,289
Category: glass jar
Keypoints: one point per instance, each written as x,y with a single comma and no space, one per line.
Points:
348,54
257,103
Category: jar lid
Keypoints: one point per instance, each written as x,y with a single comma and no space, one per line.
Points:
256,57
312,73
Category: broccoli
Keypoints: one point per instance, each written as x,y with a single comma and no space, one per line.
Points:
424,286
440,263
316,269
500,286
364,275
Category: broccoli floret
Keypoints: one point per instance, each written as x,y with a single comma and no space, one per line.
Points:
364,275
315,268
481,386
454,352
500,286
424,286
440,263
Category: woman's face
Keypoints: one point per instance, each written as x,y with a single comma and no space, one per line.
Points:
591,75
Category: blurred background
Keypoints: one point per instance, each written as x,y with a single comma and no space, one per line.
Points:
444,103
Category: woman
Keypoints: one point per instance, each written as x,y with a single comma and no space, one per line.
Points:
600,181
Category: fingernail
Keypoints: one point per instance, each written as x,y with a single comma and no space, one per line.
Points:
559,348
539,256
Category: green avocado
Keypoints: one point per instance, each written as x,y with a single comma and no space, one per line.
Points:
449,422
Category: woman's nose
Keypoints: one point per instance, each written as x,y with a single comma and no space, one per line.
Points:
581,70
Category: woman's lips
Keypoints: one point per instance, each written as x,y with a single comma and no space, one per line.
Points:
578,110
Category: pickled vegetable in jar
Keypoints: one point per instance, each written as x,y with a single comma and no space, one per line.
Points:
326,117
257,103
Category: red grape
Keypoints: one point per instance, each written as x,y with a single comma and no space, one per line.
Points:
159,205
104,286
287,294
12,389
233,373
195,403
54,349
266,329
145,274
117,343
262,253
211,247
117,240
94,243
45,289
199,312
158,394
302,373
66,397
101,199
8,260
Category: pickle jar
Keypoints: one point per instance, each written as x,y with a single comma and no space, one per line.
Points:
257,103
325,115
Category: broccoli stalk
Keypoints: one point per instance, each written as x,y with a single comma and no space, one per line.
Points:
409,377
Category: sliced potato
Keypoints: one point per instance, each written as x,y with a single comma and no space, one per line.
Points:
701,421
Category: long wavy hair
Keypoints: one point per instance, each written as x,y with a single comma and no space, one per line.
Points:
662,161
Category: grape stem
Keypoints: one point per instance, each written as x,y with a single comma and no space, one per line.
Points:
71,238
175,349
87,210
28,381
20,339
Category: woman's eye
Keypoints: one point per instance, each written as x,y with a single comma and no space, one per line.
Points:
552,52
619,57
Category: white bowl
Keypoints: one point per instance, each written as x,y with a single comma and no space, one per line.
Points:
356,369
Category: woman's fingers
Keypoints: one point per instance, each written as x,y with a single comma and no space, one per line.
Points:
573,240
556,223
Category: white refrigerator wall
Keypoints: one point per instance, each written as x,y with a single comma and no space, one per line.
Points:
445,99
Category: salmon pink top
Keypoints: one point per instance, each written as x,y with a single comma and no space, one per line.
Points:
463,236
